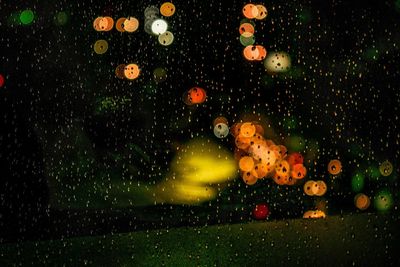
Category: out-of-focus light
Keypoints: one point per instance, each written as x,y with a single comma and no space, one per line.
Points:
314,214
166,38
386,168
357,182
61,18
246,41
277,62
362,201
262,12
246,164
119,25
310,188
221,130
159,75
246,28
298,171
383,200
159,26
2,80
131,71
295,143
167,9
250,11
131,24
334,167
204,162
26,17
322,188
198,171
251,52
100,47
262,52
261,211
119,71
150,11
195,95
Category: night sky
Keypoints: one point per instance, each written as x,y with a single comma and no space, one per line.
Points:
72,133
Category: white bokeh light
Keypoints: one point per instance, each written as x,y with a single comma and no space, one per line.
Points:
159,26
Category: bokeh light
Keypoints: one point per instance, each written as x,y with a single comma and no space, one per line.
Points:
383,200
2,80
27,16
100,47
61,18
159,26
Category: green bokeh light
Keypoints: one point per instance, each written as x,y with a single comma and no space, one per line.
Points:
383,200
61,18
373,173
26,17
295,143
245,41
357,182
397,5
290,123
371,54
305,16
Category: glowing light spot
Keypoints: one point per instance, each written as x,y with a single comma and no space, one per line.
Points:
261,211
314,214
26,17
119,25
250,11
310,188
166,38
131,24
386,168
277,62
119,71
100,47
160,75
251,52
246,41
159,26
262,12
322,188
334,167
167,9
362,201
383,201
246,164
2,80
247,129
357,182
61,18
131,71
221,130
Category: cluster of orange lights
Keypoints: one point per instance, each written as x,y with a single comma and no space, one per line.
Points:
105,24
260,158
252,52
129,71
194,96
315,188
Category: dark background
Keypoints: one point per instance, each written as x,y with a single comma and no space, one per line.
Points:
342,92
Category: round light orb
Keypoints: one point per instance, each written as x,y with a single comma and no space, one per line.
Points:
277,62
131,71
131,24
167,9
100,47
221,130
166,38
159,26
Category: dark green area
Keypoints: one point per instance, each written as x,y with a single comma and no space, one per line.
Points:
334,241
